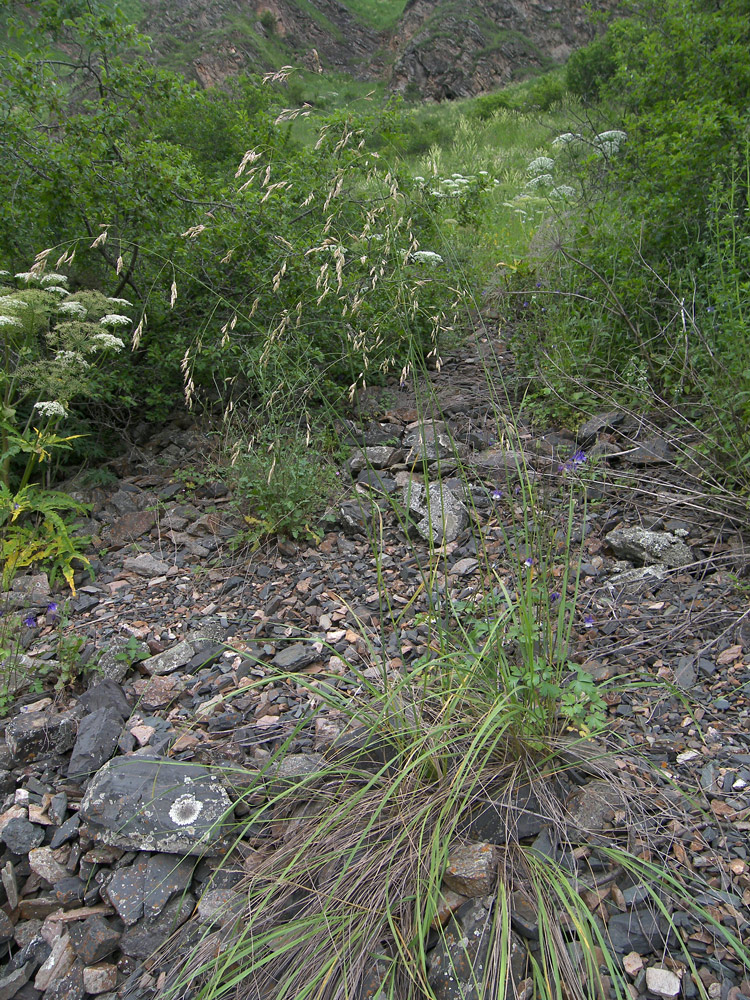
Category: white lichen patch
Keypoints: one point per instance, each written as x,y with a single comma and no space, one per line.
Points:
185,810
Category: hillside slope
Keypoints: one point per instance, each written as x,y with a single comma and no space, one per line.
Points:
436,49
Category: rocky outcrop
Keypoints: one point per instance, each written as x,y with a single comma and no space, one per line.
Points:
444,50
439,49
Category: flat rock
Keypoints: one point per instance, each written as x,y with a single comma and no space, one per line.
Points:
35,735
428,442
597,424
20,836
663,982
129,527
638,930
502,463
295,657
106,694
642,547
143,938
146,565
118,657
93,939
592,807
471,869
170,660
95,743
148,803
508,815
438,514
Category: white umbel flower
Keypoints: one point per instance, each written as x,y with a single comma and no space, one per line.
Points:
10,321
426,257
115,319
564,191
51,409
53,279
71,359
13,305
107,342
26,276
120,302
540,181
57,289
73,308
566,139
541,165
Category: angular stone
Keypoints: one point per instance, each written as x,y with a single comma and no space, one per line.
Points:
7,930
377,481
43,862
642,547
100,978
12,983
220,906
36,735
296,656
501,463
663,982
166,876
141,940
377,457
93,939
507,815
637,930
129,527
57,965
170,660
156,692
457,964
592,807
126,890
463,567
121,653
146,565
428,442
69,891
20,836
96,742
472,869
148,803
439,515
69,987
294,777
105,694
596,424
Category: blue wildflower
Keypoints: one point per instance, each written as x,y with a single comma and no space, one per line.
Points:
30,622
554,596
528,562
497,494
588,621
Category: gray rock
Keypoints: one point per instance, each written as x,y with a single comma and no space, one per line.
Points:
639,930
428,442
129,527
592,808
20,836
377,457
146,565
655,451
377,481
126,890
506,816
170,660
93,939
221,907
36,735
143,938
147,803
12,983
456,966
295,657
502,463
641,546
106,694
166,876
596,424
439,515
296,775
118,657
376,433
96,742
69,987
